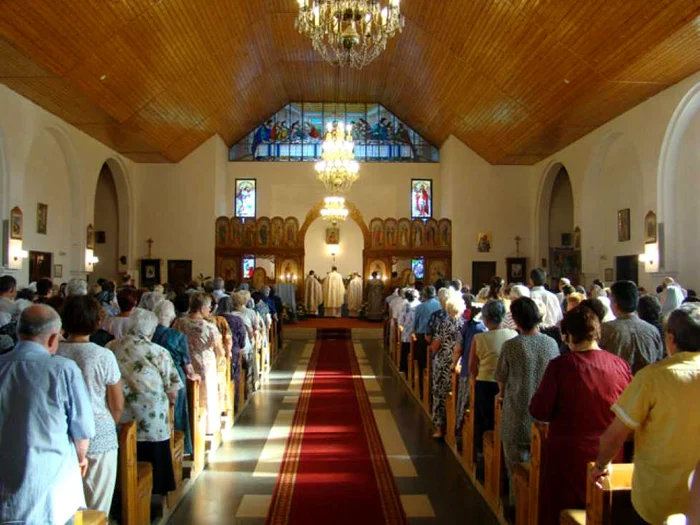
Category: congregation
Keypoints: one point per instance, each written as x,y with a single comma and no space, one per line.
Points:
76,361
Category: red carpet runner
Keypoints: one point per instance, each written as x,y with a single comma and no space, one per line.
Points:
335,469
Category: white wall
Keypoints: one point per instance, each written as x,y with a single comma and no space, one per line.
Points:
107,220
44,159
561,210
318,258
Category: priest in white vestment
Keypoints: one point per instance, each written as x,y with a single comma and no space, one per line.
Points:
334,294
313,295
355,295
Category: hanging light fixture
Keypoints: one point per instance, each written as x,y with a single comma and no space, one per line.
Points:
338,169
349,32
334,209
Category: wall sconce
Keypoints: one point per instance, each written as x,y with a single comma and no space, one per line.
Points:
333,249
15,254
90,260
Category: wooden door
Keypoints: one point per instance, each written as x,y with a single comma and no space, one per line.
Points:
627,268
179,272
40,265
482,273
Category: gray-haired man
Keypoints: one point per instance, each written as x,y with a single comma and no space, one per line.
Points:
46,423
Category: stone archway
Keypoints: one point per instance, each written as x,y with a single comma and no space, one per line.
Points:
354,215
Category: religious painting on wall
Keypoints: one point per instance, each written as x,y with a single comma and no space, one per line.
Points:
42,217
431,234
577,238
404,241
228,268
516,268
289,270
259,275
650,228
249,234
565,263
609,275
263,225
376,229
391,233
236,232
291,230
418,234
378,266
16,223
222,231
245,198
437,270
248,267
277,231
333,235
445,240
418,267
484,241
623,225
90,240
150,272
421,198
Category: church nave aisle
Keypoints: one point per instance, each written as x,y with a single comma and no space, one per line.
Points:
239,484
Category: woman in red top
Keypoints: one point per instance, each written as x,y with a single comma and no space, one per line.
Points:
575,396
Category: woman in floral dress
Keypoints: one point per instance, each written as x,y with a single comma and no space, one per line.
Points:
206,346
446,346
150,383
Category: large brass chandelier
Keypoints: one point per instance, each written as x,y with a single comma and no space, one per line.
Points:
334,209
338,169
349,32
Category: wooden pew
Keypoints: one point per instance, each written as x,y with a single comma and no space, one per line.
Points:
427,394
494,466
468,445
412,369
606,506
526,478
230,392
397,345
177,451
90,517
450,407
242,384
135,479
198,427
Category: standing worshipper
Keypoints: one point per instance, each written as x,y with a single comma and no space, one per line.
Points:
446,348
395,307
248,361
8,292
279,308
238,338
658,406
335,294
420,326
375,298
46,422
519,371
672,296
634,340
406,323
176,344
355,295
574,397
553,311
206,347
313,294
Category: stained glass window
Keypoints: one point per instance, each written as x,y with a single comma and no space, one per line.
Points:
418,267
248,267
296,132
421,198
245,198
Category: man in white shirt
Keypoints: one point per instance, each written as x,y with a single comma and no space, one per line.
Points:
553,314
218,286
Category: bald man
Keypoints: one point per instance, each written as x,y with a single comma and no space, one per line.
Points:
46,423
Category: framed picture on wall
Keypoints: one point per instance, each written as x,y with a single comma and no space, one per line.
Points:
42,216
623,225
58,271
650,228
421,198
609,275
90,237
332,235
484,241
16,228
516,268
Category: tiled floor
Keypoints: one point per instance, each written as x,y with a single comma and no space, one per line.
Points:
237,486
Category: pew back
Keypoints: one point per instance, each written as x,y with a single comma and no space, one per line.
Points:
197,427
135,479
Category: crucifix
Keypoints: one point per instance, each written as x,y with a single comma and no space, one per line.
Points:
517,239
150,247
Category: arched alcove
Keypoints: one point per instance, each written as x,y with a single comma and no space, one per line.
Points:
107,225
116,171
675,179
4,179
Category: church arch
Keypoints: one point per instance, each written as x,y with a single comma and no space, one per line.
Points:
670,161
354,215
544,206
4,179
118,171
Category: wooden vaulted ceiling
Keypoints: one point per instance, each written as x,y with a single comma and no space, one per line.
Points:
516,80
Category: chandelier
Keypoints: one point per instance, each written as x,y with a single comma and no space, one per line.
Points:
334,209
338,168
349,32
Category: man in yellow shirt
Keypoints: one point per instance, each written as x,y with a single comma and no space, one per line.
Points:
659,406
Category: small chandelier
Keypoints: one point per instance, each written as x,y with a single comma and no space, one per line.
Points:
338,169
349,32
334,209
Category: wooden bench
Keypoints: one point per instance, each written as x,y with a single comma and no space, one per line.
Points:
90,517
397,345
135,479
494,466
608,505
427,394
526,478
412,368
450,408
468,445
198,427
229,400
177,451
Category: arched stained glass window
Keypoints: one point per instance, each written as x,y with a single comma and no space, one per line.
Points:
296,132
